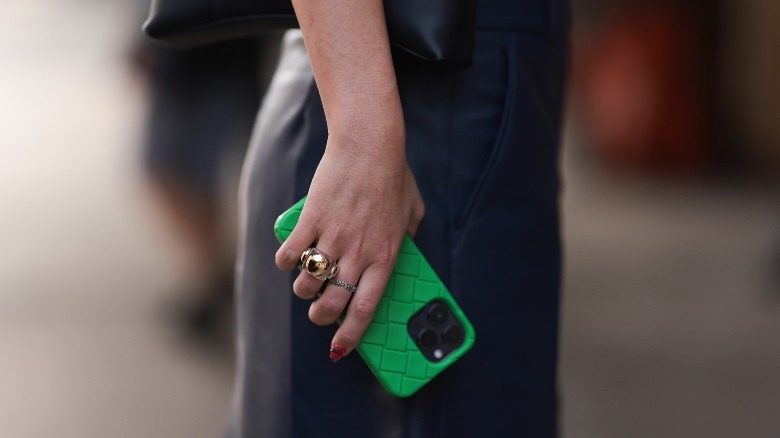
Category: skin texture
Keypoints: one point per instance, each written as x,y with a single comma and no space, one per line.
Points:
363,197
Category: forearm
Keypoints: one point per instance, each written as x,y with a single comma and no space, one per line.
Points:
363,197
350,55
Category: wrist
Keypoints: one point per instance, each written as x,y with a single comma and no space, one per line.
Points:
368,128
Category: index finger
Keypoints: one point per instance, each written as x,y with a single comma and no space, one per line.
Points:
303,236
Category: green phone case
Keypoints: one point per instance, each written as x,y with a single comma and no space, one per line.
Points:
387,347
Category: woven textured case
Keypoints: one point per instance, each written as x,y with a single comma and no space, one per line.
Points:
387,348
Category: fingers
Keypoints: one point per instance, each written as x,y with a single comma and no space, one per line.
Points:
302,237
331,304
360,311
368,253
306,286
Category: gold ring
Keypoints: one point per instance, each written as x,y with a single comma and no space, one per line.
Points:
317,264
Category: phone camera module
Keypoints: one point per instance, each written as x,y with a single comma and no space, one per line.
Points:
427,339
438,314
452,335
436,330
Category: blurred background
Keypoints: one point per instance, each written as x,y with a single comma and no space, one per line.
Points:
115,250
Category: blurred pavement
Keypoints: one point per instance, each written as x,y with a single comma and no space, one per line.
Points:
671,309
83,263
670,321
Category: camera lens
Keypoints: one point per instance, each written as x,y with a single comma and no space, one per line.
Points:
427,339
438,313
452,335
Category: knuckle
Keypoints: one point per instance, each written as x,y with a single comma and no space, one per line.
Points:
285,257
364,308
348,339
326,309
318,318
386,255
302,293
341,231
312,209
359,248
305,286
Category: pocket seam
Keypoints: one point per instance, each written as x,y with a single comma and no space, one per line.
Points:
499,142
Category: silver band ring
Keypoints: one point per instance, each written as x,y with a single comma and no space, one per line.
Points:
347,286
318,264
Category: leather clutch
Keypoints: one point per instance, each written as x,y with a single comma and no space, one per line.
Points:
437,31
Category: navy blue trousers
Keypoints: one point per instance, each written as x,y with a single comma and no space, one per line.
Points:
482,143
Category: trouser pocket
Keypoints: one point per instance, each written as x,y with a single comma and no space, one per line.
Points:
487,111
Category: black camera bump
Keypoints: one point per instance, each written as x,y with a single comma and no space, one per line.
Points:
436,330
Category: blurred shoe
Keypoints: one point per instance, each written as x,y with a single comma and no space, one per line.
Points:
204,317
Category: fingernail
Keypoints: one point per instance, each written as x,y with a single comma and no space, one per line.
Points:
337,352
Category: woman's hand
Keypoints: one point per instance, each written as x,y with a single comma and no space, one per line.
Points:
363,197
361,202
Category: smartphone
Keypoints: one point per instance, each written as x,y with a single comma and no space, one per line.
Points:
418,329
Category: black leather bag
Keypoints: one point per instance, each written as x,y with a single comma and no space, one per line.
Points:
437,31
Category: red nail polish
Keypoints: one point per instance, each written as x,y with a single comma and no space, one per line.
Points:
337,352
